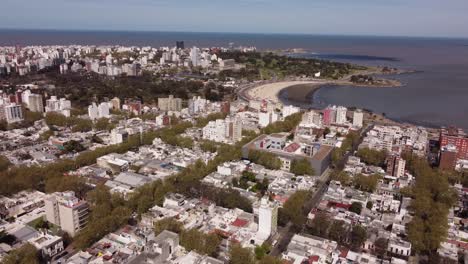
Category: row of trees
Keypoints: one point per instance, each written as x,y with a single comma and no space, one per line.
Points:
372,156
266,159
353,236
240,255
432,198
365,183
287,125
293,209
77,124
351,140
302,167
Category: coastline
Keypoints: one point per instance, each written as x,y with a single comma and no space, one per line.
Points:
302,93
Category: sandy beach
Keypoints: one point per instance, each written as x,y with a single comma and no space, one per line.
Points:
271,91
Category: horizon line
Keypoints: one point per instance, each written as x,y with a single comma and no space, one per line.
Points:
233,32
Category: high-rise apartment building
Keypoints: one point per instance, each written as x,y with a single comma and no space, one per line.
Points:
457,138
358,118
67,211
170,103
267,218
396,166
35,103
13,113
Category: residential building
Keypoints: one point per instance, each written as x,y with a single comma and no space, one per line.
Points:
267,219
118,135
93,111
329,115
170,103
358,117
456,137
13,113
341,115
266,118
448,157
103,110
35,103
115,102
48,245
67,211
289,110
396,166
61,106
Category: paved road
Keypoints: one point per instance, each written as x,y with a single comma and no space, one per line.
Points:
285,234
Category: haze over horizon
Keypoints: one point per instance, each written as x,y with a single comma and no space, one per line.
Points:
429,18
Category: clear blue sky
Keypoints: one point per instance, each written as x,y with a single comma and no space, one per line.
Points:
354,17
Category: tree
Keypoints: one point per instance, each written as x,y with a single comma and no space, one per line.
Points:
103,124
169,224
381,245
356,207
240,255
73,146
46,135
55,119
302,167
341,176
27,254
320,225
293,208
338,231
82,125
366,183
358,237
372,157
261,251
208,146
369,205
4,163
269,160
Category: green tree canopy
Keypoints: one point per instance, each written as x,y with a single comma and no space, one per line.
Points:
356,207
302,167
26,254
240,255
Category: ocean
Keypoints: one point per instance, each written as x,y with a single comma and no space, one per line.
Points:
436,95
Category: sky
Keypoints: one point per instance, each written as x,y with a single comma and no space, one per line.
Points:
431,18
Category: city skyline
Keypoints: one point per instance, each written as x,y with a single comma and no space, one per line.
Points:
363,17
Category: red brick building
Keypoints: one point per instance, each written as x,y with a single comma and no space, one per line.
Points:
455,137
448,158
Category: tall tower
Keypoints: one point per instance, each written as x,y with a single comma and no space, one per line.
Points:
267,218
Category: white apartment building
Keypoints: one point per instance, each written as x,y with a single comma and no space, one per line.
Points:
170,103
311,118
266,118
228,130
61,106
103,110
13,113
358,118
118,136
267,219
67,211
35,103
341,115
290,110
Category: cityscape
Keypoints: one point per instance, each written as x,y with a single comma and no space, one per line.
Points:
188,154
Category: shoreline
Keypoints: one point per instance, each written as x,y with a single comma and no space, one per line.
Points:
305,90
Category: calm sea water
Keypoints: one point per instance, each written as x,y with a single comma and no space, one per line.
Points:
436,95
